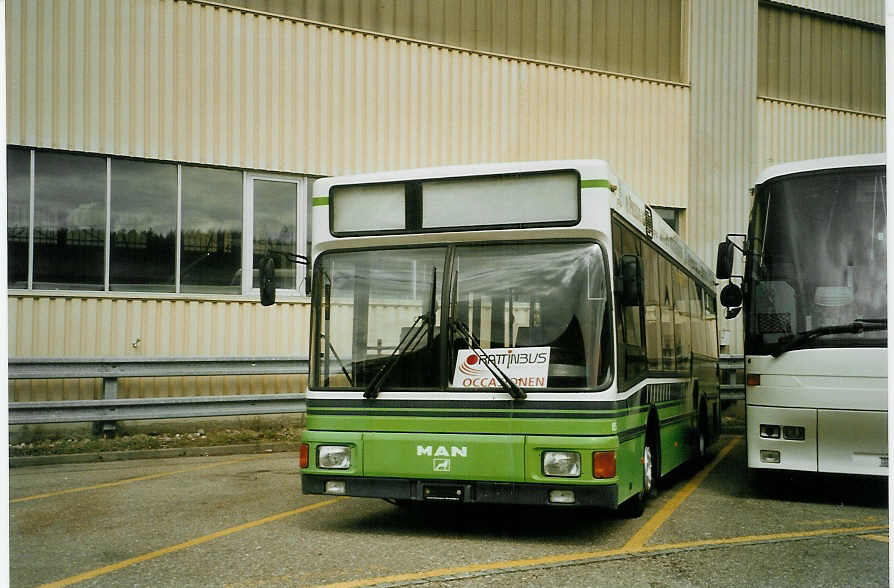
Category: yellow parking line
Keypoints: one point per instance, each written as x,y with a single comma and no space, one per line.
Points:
866,519
646,531
132,480
594,555
762,538
882,538
181,546
485,567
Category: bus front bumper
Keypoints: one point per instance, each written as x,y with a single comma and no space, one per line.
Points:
605,495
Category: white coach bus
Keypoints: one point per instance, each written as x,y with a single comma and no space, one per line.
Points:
814,295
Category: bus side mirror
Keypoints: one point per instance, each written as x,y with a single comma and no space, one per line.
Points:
725,252
631,280
731,298
267,274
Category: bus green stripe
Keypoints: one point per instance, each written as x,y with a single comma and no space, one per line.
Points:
321,201
595,184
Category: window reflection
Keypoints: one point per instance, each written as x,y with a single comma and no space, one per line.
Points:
18,182
211,249
69,221
144,225
275,229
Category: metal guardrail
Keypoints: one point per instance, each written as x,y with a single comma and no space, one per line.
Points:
111,408
730,387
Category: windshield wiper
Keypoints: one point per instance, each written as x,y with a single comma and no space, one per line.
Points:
789,342
407,342
511,387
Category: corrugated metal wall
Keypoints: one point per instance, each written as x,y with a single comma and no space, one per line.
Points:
872,11
196,83
102,326
789,132
638,37
724,82
812,59
192,82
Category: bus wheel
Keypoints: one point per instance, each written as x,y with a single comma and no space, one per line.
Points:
634,506
702,433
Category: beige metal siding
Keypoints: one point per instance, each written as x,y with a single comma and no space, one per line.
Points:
817,60
637,37
724,82
791,132
871,11
198,83
103,326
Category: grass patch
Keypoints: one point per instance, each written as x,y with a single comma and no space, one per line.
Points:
67,444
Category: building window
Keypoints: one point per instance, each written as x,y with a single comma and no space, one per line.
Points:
142,243
669,215
18,216
275,229
69,221
211,249
127,225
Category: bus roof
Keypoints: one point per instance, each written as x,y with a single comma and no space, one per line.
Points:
628,204
807,165
588,168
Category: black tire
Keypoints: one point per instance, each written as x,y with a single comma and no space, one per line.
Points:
701,434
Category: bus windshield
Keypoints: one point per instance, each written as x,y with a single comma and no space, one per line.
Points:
537,311
817,245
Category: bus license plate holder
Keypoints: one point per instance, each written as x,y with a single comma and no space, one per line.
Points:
444,492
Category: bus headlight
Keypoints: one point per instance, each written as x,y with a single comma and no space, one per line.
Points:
561,464
334,457
793,433
770,431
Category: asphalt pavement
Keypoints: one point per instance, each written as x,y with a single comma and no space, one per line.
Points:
241,521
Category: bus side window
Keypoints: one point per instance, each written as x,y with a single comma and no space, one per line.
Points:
682,326
698,320
711,324
619,310
633,331
666,302
652,312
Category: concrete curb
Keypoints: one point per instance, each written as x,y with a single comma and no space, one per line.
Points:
37,460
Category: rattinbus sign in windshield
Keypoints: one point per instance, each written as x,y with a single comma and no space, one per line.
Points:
526,366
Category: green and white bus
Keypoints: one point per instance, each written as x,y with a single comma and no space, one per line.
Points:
525,333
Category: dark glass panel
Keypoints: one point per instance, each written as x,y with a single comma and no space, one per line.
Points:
69,221
144,226
211,247
275,229
18,180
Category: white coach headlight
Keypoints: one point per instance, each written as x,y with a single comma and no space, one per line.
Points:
561,464
334,457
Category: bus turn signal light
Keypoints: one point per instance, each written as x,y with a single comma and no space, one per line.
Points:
753,380
303,452
604,464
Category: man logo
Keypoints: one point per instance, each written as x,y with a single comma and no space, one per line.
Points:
441,465
442,451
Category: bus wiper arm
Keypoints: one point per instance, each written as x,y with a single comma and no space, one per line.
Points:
791,341
407,342
511,387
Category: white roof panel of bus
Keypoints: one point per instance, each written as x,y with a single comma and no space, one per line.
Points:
795,167
590,169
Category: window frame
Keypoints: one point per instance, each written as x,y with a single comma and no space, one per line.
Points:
247,222
248,228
